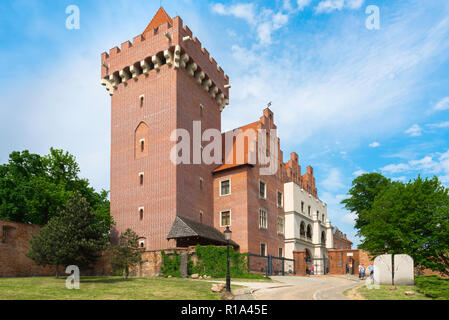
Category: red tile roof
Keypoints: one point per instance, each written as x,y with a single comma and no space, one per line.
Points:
223,167
159,18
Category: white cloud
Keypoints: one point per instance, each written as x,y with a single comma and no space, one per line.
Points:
359,172
328,6
444,124
414,131
374,144
349,218
395,168
443,104
245,11
333,181
436,164
303,3
354,4
265,21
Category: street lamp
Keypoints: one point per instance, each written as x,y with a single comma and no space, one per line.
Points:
228,234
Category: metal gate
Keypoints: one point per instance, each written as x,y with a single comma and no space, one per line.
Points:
270,265
317,266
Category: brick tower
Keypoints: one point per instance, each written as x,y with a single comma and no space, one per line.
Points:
162,81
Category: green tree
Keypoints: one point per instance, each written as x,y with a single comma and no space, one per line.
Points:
411,218
76,237
33,189
365,189
127,253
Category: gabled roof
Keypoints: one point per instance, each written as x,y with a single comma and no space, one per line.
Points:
159,18
253,126
185,228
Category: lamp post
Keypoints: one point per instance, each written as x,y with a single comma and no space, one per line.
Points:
228,234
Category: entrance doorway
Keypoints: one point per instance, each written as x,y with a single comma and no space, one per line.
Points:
350,264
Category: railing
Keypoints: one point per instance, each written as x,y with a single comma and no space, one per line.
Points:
270,265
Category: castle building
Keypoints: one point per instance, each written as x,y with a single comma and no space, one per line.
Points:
341,241
163,84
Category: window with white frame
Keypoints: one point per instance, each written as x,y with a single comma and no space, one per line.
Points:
141,210
262,189
225,187
141,180
263,224
281,224
225,218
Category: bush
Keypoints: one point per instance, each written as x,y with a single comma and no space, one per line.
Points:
212,262
171,266
433,286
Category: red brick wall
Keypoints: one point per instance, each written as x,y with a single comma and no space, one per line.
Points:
172,101
237,202
14,263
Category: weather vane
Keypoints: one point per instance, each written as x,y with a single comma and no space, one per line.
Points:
269,104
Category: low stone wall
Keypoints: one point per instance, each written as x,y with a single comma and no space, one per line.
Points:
152,261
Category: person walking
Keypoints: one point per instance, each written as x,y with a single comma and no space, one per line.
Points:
362,271
371,271
313,270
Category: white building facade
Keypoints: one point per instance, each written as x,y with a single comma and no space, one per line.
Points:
307,227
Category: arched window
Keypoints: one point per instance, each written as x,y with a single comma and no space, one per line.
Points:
323,237
302,230
141,141
309,232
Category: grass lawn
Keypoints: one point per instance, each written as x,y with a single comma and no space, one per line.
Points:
243,280
106,288
384,293
427,288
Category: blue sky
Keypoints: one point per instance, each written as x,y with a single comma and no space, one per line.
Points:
347,99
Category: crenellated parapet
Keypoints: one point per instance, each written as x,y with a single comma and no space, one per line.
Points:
168,44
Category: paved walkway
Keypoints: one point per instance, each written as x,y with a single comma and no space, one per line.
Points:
298,288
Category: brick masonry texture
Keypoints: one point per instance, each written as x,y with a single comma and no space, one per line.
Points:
15,243
172,100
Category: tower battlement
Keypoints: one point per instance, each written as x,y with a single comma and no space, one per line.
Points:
172,44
